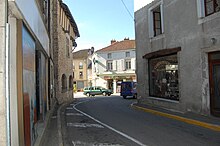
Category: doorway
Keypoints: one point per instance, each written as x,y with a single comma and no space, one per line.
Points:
214,77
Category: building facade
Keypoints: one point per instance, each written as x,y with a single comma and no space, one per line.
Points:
25,69
114,64
80,69
178,55
63,33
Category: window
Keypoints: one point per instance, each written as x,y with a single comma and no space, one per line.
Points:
127,54
70,83
80,74
109,55
163,77
127,64
109,65
80,65
73,66
211,6
64,83
67,48
157,21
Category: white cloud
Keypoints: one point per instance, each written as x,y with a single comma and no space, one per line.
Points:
140,3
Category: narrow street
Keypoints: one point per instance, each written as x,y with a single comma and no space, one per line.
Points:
110,120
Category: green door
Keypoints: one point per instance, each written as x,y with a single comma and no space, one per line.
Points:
214,68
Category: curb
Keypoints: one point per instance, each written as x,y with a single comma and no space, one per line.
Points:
179,118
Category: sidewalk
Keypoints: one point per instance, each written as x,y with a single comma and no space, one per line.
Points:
210,122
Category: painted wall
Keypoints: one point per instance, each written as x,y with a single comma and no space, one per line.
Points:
185,27
3,139
34,20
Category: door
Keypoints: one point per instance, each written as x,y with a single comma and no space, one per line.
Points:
214,71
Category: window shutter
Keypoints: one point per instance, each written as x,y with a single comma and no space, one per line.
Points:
123,64
150,24
200,8
119,68
114,65
161,15
133,63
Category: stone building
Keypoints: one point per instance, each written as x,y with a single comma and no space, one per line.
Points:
114,64
178,55
63,34
81,67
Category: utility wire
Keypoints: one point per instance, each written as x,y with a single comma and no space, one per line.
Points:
127,10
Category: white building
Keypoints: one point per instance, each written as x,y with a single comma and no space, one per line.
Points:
114,64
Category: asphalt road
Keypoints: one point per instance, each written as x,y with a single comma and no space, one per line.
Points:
111,121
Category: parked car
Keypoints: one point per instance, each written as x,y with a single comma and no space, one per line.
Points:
128,88
96,90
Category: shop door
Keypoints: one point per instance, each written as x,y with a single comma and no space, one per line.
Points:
214,68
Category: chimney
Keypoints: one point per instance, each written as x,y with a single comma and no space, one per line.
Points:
113,41
126,38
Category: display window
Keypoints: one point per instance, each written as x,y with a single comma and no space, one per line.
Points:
163,77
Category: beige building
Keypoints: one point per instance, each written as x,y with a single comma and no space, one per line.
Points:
81,67
63,34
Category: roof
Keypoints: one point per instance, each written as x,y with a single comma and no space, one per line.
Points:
81,54
117,46
69,15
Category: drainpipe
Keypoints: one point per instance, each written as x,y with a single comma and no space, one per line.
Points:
7,75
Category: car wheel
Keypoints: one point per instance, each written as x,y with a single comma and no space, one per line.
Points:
88,94
104,93
124,97
109,94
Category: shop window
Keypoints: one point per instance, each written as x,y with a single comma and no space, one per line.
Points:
64,83
163,77
211,6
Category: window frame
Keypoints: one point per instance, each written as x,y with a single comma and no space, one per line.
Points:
127,54
80,65
151,20
213,8
81,74
128,64
109,55
107,65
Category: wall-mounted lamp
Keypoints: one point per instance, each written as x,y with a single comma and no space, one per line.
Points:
213,40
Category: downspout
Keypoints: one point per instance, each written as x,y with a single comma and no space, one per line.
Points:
7,75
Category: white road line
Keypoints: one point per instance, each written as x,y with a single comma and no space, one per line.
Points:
74,114
84,125
75,143
69,108
109,127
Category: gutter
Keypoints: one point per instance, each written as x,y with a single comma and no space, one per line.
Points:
7,74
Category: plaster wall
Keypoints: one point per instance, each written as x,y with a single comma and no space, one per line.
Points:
3,140
182,28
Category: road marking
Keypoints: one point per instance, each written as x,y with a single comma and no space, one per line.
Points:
74,114
75,143
109,127
84,125
69,108
186,120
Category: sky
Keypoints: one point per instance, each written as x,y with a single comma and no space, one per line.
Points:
100,21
